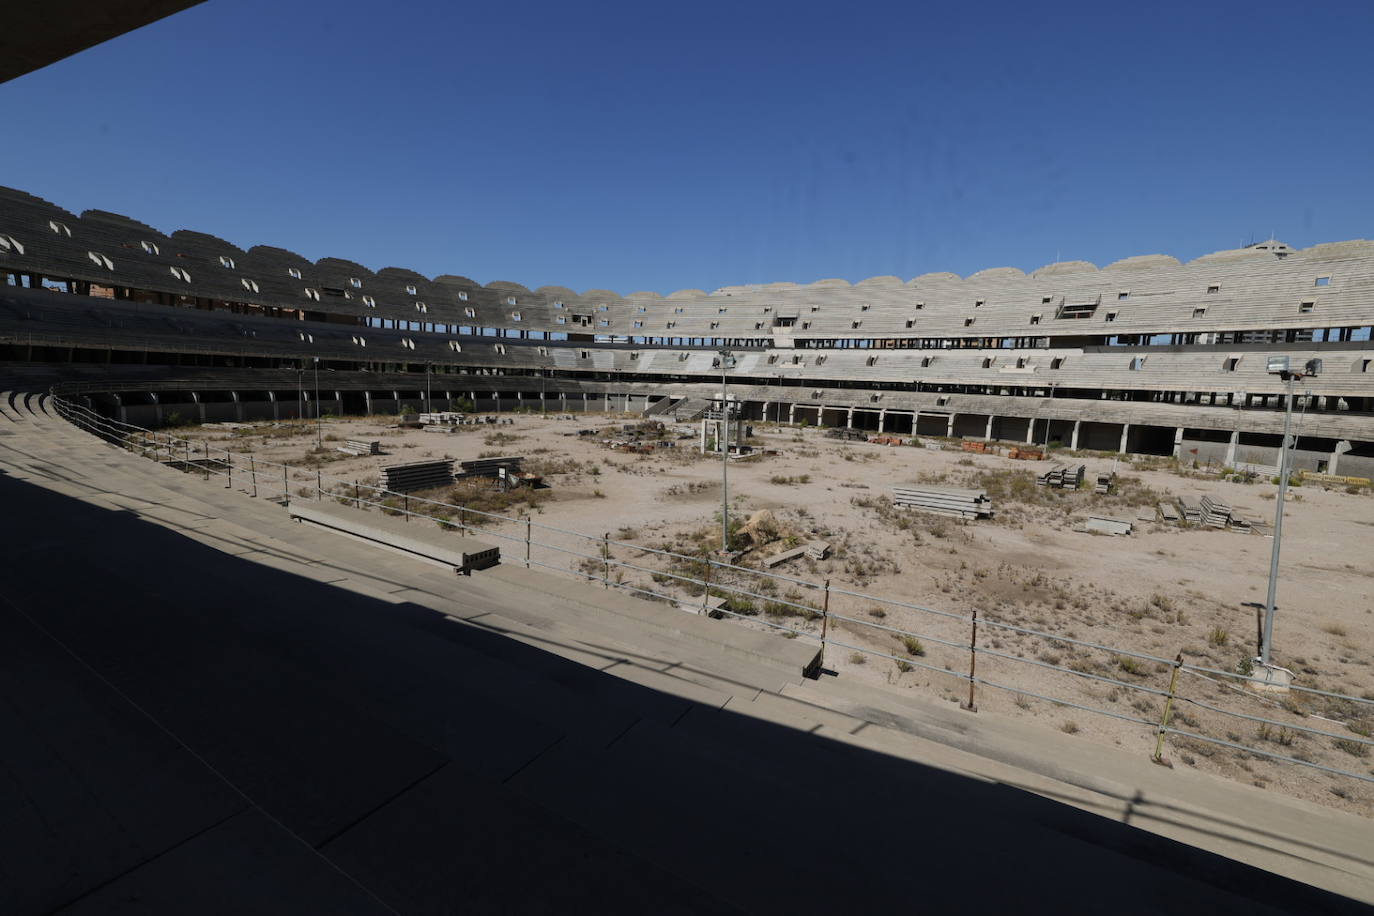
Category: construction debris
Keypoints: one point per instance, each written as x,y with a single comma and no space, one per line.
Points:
491,467
442,418
360,447
1105,483
1104,525
980,447
816,550
417,475
1026,454
1064,476
959,503
1168,513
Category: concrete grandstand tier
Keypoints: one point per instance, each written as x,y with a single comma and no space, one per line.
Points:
1148,355
283,722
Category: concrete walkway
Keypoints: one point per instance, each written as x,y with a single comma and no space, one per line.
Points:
210,709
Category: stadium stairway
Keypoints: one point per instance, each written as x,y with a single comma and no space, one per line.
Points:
212,709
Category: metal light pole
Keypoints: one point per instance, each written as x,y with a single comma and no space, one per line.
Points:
726,360
1278,365
319,434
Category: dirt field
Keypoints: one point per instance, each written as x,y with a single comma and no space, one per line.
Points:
1164,590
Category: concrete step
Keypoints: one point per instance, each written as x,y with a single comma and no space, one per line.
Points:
1284,835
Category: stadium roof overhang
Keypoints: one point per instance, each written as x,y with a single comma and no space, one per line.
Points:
41,33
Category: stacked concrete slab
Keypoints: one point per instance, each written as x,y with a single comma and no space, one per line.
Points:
952,501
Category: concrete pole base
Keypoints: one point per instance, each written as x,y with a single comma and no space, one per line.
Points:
1269,678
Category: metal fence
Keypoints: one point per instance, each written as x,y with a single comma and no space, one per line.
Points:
971,650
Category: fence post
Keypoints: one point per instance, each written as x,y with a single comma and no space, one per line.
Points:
207,459
527,541
706,590
229,473
253,474
285,487
319,486
825,619
357,496
606,560
186,444
462,521
1168,710
972,663
406,504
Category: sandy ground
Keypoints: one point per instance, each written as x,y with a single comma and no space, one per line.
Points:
1162,591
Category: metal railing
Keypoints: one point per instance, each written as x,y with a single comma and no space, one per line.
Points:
804,611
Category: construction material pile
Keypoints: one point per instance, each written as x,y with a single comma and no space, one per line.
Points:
958,503
491,467
360,447
417,475
1208,511
1102,524
1064,476
816,550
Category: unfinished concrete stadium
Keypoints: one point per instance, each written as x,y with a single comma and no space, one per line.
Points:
234,688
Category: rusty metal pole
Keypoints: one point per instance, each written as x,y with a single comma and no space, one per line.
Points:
253,474
1168,710
207,459
606,559
229,469
528,525
825,618
706,589
319,486
972,664
357,496
285,486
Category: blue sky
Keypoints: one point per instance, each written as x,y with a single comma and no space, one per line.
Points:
636,146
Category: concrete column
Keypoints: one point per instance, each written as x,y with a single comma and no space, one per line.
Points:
704,421
120,410
627,402
397,396
986,435
849,419
791,413
238,406
882,421
1073,439
1231,448
586,408
766,405
1125,432
157,408
949,427
1178,442
1341,448
200,407
1030,431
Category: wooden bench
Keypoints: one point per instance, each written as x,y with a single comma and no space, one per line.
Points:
420,537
